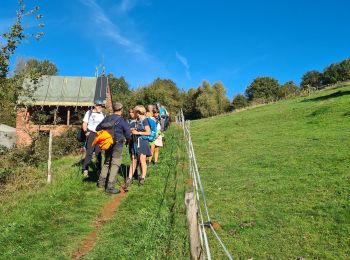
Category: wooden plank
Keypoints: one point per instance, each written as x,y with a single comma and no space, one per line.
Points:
191,214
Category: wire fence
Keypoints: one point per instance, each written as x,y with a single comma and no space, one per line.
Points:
204,220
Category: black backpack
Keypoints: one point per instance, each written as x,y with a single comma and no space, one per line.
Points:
81,137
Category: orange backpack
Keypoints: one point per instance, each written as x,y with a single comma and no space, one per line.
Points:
104,139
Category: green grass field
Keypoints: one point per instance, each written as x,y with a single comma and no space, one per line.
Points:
151,221
277,177
51,221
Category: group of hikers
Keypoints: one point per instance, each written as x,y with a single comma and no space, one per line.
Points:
142,132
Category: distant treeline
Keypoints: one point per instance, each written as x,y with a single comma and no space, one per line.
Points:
267,89
204,101
210,100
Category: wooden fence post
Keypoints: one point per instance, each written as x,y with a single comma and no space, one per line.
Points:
191,214
49,176
68,117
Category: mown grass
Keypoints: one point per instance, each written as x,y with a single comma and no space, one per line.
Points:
277,177
150,222
51,220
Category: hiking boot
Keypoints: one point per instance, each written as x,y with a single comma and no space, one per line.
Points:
142,181
111,188
128,182
101,183
86,173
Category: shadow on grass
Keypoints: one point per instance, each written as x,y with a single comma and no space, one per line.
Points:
346,114
319,111
333,95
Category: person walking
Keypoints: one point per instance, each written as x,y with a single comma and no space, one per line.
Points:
91,119
142,145
116,125
158,142
163,113
132,145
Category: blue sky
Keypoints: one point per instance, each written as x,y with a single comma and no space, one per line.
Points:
189,41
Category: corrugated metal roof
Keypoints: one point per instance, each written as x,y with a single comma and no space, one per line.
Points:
64,91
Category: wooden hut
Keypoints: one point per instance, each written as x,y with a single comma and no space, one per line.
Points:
57,103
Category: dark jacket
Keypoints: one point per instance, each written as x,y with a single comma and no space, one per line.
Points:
117,127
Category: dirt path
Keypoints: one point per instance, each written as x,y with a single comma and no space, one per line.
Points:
107,213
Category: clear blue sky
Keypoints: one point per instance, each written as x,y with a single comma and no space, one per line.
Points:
189,41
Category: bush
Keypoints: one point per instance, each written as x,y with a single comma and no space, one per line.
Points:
12,161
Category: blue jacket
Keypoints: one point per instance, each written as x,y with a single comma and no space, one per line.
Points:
119,125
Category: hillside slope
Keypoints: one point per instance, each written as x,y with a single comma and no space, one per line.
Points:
53,221
277,177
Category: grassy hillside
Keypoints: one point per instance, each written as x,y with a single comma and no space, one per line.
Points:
277,177
50,221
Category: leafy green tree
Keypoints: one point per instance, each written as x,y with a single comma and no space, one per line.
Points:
288,89
239,101
119,85
337,72
164,91
120,91
263,88
206,102
221,99
311,79
9,41
15,36
189,105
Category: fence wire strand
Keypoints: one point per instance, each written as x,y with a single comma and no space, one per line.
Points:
199,191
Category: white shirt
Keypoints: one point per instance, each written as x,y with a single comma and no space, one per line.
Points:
93,120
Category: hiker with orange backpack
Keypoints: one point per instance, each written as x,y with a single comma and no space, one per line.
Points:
119,130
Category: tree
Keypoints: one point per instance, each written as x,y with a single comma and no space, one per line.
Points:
263,88
118,86
288,89
189,105
35,68
206,101
221,99
10,87
311,79
15,36
120,91
164,91
337,72
239,101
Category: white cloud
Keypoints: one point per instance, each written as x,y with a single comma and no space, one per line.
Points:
127,5
109,29
183,60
